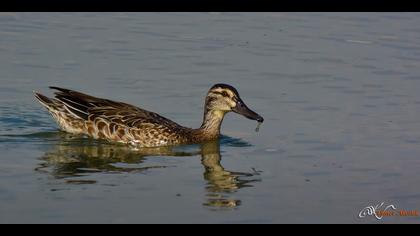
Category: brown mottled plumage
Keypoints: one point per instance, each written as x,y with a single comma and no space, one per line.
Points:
99,118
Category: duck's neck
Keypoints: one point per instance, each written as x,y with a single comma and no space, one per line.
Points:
212,121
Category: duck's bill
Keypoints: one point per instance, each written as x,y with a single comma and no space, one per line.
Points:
242,109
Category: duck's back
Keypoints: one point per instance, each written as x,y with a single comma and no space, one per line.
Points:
79,113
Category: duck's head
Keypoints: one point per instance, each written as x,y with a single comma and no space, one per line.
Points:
223,98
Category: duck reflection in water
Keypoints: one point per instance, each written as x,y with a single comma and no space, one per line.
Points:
77,157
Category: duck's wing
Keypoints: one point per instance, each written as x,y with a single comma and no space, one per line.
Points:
90,108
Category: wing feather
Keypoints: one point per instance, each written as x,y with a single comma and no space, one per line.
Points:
88,107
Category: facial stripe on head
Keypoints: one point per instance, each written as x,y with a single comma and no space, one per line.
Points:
223,92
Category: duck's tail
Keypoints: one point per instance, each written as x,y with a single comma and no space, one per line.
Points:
53,106
61,115
45,101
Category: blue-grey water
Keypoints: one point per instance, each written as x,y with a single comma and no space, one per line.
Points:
340,94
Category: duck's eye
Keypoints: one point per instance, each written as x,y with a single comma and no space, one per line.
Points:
225,94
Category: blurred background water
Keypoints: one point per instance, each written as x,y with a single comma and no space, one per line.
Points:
339,93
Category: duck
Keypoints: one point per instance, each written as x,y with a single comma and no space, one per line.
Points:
98,118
